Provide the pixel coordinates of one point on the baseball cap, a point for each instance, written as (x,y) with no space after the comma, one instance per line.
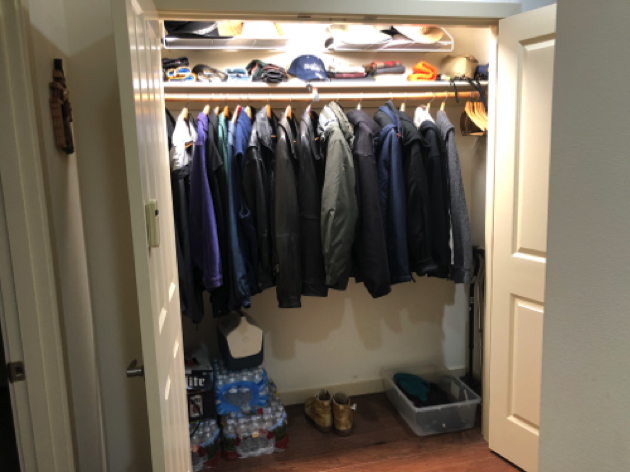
(308,68)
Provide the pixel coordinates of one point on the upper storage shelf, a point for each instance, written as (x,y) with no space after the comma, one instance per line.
(264,35)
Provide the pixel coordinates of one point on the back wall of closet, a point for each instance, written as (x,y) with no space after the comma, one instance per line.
(343,341)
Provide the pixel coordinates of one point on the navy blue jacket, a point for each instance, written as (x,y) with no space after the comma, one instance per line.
(247,230)
(391,183)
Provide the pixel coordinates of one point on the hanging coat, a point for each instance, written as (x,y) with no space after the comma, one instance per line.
(249,246)
(240,294)
(204,239)
(435,165)
(310,185)
(190,278)
(370,249)
(339,202)
(218,187)
(392,193)
(259,189)
(417,194)
(289,272)
(462,256)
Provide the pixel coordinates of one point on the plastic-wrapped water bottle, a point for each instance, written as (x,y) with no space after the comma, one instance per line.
(244,437)
(256,436)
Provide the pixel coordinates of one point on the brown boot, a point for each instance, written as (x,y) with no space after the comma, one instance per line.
(343,413)
(317,410)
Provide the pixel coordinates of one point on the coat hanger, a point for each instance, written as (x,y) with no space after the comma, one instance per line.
(360,100)
(429,104)
(248,109)
(268,107)
(237,110)
(403,104)
(184,113)
(443,105)
(287,110)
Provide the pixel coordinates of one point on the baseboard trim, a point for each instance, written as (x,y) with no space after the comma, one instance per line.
(363,387)
(293,397)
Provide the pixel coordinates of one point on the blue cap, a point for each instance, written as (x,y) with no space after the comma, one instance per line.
(308,68)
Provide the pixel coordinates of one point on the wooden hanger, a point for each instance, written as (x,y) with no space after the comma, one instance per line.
(402,105)
(429,104)
(358,105)
(206,110)
(443,105)
(268,107)
(237,110)
(287,111)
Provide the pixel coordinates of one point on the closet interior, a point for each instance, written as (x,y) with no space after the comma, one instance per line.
(348,340)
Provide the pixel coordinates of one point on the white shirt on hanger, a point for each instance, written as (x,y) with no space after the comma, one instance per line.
(421,115)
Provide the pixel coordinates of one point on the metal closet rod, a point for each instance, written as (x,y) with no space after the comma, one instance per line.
(309,97)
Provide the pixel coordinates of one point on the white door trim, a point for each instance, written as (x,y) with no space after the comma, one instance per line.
(28,307)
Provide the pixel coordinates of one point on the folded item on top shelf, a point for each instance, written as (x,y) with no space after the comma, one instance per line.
(423,71)
(423,34)
(237,74)
(173,63)
(273,74)
(341,67)
(390,70)
(190,78)
(255,67)
(357,35)
(373,66)
(205,73)
(345,75)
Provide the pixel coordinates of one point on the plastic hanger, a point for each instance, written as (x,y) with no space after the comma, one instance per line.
(184,113)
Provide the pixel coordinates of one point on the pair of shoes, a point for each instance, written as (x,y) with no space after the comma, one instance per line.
(319,412)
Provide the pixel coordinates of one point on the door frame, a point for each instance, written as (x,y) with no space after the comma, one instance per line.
(28,305)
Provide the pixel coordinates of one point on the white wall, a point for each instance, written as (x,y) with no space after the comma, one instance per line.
(48,40)
(586,357)
(533,4)
(345,340)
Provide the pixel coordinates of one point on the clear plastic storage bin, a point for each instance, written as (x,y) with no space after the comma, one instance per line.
(424,421)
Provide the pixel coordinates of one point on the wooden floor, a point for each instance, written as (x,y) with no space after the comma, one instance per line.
(381,441)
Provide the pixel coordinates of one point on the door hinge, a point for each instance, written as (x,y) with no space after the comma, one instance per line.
(16,371)
(152,214)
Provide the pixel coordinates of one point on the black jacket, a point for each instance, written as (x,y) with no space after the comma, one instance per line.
(259,188)
(289,273)
(435,165)
(218,188)
(310,185)
(418,205)
(370,249)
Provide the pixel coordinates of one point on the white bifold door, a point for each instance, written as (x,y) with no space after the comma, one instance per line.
(137,37)
(523,137)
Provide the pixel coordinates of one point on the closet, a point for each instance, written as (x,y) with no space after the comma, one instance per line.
(345,340)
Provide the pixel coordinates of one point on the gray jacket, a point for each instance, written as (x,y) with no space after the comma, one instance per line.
(339,201)
(460,224)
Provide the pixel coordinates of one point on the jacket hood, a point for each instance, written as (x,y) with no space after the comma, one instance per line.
(311,127)
(387,115)
(288,125)
(409,132)
(443,123)
(359,116)
(426,125)
(333,115)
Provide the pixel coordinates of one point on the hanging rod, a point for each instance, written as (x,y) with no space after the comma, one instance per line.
(310,97)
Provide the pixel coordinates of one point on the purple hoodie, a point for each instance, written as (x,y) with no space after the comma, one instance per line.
(204,240)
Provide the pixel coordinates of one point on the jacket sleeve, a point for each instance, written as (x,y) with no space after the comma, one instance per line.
(289,275)
(440,223)
(339,214)
(256,197)
(204,239)
(462,241)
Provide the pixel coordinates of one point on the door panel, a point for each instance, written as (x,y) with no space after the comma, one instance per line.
(525,77)
(148,178)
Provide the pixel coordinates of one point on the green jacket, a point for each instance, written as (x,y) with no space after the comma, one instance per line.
(339,201)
